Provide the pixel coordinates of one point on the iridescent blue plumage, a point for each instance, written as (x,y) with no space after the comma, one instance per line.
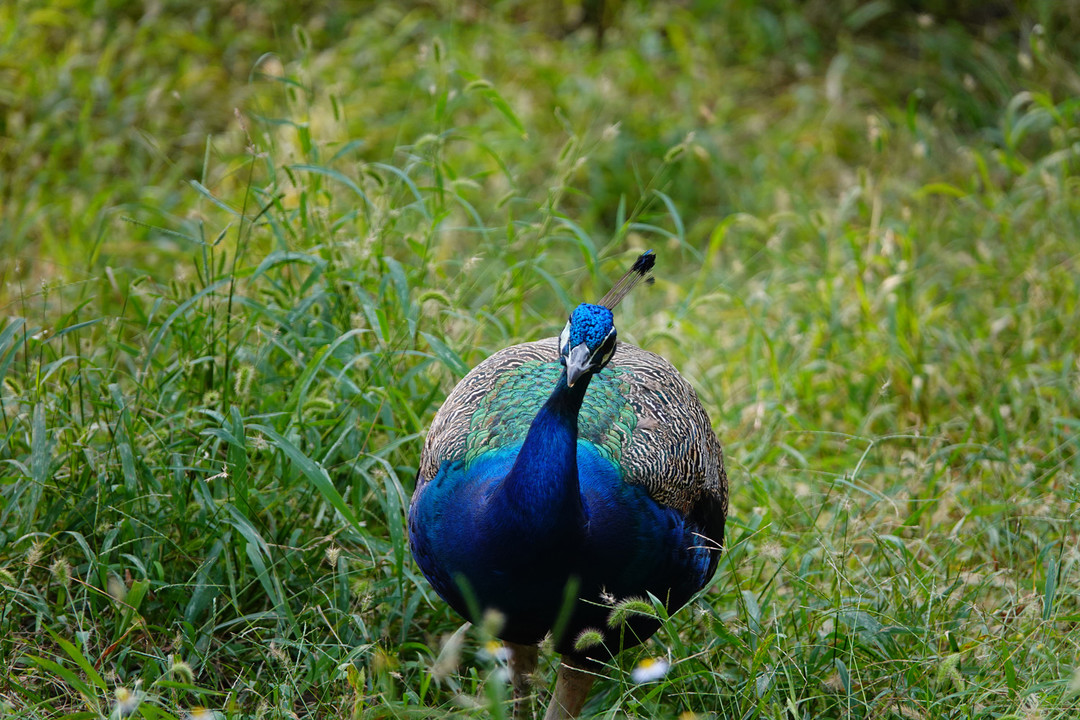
(562,477)
(590,324)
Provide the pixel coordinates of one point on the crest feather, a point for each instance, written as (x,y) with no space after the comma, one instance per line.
(640,271)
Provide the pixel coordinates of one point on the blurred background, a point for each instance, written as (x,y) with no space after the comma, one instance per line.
(247,248)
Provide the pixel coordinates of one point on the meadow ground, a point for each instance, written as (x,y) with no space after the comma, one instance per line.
(247,251)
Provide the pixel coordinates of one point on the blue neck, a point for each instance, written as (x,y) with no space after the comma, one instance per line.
(543,485)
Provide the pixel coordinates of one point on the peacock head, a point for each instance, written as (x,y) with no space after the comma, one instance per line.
(587,343)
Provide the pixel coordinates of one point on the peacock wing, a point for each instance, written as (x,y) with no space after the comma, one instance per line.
(492,406)
(673,451)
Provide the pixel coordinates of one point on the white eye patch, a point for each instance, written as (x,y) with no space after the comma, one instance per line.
(608,348)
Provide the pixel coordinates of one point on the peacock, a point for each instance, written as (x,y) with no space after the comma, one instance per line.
(564,479)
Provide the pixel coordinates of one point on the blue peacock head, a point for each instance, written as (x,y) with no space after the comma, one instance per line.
(587,343)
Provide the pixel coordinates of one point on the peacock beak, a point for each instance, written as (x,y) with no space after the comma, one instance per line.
(577,363)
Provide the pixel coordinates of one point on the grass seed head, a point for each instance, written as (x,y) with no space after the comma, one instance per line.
(587,639)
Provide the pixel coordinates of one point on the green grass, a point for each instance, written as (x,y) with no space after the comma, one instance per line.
(247,255)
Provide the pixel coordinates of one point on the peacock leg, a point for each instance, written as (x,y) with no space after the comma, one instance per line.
(522,671)
(572,686)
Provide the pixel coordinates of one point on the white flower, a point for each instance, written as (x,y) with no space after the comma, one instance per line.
(496,651)
(648,670)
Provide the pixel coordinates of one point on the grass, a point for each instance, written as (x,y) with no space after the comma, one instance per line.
(247,256)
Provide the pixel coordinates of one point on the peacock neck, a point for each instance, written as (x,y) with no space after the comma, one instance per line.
(543,481)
